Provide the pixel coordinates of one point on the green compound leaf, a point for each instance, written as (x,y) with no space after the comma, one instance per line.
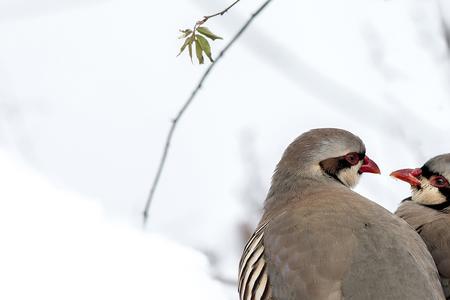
(206,32)
(190,51)
(204,44)
(185,34)
(186,43)
(199,52)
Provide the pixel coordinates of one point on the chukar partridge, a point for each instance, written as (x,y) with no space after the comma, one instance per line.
(317,239)
(428,211)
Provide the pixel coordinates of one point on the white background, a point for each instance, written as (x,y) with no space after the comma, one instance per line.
(88,89)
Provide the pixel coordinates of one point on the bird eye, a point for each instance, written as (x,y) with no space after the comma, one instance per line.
(352,158)
(439,181)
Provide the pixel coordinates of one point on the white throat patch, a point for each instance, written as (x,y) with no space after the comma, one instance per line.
(350,176)
(427,194)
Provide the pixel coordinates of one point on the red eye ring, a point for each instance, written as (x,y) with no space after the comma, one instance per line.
(439,181)
(352,158)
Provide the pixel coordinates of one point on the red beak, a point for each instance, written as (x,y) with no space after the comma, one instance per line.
(369,166)
(408,175)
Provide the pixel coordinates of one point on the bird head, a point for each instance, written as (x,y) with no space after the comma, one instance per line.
(429,184)
(326,154)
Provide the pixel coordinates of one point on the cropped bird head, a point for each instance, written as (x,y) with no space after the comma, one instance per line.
(325,154)
(429,184)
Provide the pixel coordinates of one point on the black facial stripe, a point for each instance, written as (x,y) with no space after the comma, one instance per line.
(362,155)
(427,173)
(407,199)
(445,192)
(332,166)
(342,164)
(440,206)
(335,177)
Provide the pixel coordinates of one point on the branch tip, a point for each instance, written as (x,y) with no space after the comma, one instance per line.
(188,102)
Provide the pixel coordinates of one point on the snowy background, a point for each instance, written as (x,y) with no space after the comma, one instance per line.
(88,89)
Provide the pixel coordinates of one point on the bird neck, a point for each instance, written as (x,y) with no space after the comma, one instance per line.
(283,193)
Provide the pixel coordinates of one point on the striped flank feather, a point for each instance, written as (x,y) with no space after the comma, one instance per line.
(253,278)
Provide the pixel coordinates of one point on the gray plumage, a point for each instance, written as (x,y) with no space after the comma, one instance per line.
(317,239)
(440,164)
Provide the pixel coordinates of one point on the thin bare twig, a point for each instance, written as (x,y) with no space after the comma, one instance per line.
(205,18)
(189,101)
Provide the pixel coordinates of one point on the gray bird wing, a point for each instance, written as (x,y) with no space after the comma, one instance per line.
(434,228)
(301,263)
(343,246)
